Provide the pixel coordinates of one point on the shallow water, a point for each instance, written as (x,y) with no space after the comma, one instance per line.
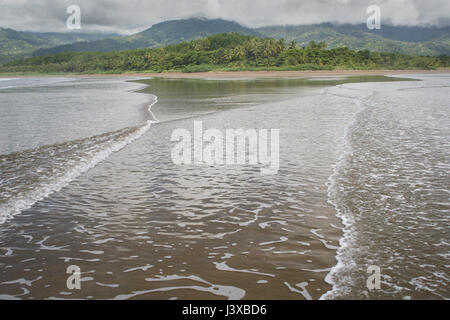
(392,187)
(48,111)
(138,226)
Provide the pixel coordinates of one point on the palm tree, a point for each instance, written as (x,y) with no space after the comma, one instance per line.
(239,52)
(293,44)
(281,45)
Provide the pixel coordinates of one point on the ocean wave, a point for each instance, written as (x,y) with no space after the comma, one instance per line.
(337,277)
(29,176)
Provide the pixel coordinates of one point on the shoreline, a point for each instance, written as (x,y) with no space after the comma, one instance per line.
(283,74)
(237,74)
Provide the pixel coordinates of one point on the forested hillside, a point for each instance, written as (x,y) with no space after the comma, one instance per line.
(407,40)
(228,51)
(159,35)
(398,39)
(18,44)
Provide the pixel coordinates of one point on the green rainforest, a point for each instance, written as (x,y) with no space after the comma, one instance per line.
(223,52)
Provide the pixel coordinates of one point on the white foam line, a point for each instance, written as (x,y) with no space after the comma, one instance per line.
(282,239)
(346,218)
(143,268)
(222,266)
(26,201)
(303,291)
(232,293)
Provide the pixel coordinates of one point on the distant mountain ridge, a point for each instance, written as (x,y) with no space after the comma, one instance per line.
(16,44)
(398,39)
(159,35)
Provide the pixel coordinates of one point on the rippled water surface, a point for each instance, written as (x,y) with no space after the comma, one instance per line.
(392,188)
(93,185)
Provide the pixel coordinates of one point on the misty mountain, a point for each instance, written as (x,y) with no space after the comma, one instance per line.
(398,39)
(17,44)
(159,35)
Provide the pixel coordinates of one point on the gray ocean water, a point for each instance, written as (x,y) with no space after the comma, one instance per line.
(87,180)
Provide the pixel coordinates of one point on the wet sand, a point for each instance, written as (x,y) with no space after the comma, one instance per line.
(241,74)
(140,227)
(282,74)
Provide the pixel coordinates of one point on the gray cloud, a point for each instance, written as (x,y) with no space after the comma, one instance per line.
(134,15)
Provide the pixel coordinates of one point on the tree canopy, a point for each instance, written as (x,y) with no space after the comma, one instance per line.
(226,51)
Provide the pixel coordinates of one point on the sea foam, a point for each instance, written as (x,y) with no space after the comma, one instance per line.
(26,200)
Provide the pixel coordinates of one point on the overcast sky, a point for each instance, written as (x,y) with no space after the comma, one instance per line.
(129,16)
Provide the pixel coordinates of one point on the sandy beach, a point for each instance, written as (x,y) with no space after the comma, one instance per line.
(282,74)
(239,74)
